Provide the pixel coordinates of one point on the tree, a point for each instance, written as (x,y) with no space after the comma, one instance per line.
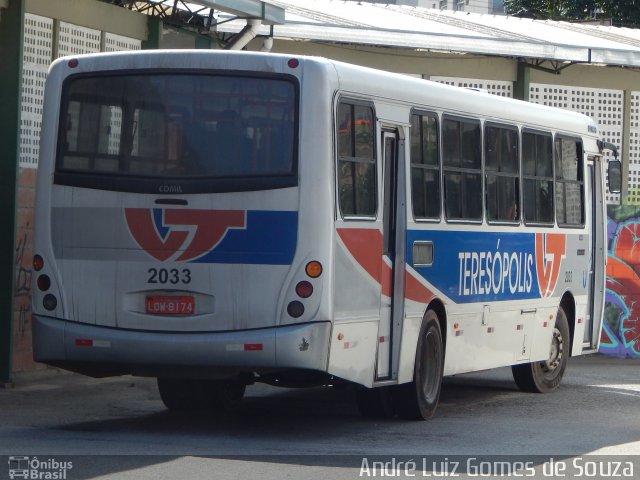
(553,9)
(622,12)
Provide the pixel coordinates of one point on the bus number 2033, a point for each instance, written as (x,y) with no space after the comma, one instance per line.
(172,276)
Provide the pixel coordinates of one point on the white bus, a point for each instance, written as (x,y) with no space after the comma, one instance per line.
(215,219)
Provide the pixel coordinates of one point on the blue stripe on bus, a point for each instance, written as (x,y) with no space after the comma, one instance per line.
(479,266)
(270,238)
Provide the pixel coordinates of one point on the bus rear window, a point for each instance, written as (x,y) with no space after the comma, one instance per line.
(205,132)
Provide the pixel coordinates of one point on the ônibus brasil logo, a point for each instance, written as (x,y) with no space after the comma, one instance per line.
(38,469)
(181,234)
(551,248)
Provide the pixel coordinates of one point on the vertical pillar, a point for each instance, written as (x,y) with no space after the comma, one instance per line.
(203,42)
(11,43)
(625,148)
(521,85)
(154,32)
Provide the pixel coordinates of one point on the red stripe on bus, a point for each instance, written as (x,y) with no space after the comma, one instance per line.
(365,246)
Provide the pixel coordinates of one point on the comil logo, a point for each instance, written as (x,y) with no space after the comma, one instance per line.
(551,248)
(181,234)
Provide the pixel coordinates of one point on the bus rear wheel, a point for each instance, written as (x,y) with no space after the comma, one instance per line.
(545,376)
(186,394)
(418,400)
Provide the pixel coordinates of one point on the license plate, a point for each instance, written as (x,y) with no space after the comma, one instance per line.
(170,305)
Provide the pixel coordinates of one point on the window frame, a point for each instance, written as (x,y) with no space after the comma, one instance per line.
(518,175)
(524,177)
(141,183)
(438,168)
(354,160)
(580,181)
(461,170)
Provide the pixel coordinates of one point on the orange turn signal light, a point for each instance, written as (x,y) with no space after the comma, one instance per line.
(38,263)
(314,269)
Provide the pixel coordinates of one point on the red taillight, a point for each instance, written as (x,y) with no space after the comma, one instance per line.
(304,289)
(43,282)
(73,63)
(293,63)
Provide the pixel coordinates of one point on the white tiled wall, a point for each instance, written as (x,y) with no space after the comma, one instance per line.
(603,105)
(495,87)
(38,54)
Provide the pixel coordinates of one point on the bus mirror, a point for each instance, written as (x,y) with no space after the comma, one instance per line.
(614,174)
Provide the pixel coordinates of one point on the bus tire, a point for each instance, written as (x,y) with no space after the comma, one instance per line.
(228,394)
(418,399)
(545,376)
(374,402)
(184,394)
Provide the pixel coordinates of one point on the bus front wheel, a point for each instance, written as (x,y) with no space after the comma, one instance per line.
(545,376)
(418,400)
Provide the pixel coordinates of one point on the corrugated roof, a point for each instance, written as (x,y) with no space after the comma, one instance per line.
(404,26)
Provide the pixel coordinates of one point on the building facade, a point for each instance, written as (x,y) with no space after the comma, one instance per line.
(495,7)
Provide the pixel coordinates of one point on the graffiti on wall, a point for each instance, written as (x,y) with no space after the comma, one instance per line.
(621,326)
(22,287)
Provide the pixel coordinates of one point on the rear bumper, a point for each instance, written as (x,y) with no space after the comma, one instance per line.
(102,351)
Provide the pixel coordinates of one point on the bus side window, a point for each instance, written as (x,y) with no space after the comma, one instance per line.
(425,166)
(462,168)
(356,160)
(502,172)
(569,182)
(537,173)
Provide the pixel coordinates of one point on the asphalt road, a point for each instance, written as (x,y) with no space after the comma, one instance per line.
(317,433)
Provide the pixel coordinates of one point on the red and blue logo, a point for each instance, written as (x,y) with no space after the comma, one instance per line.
(181,234)
(551,248)
(214,236)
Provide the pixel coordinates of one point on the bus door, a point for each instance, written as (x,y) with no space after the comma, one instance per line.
(393,252)
(598,250)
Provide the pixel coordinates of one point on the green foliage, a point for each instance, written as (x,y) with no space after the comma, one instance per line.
(623,12)
(620,213)
(552,9)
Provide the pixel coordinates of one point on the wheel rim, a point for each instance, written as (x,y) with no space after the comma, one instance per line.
(431,367)
(551,366)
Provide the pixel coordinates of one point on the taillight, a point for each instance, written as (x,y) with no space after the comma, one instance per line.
(38,263)
(313,269)
(50,302)
(43,282)
(295,309)
(304,289)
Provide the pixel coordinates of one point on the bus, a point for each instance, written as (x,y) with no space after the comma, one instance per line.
(216,219)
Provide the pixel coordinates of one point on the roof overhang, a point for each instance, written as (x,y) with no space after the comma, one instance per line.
(257,9)
(422,29)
